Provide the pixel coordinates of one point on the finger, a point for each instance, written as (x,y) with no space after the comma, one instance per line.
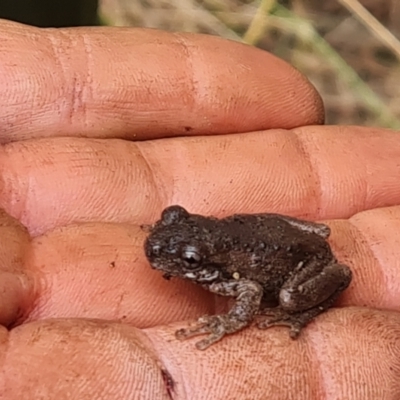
(138,84)
(376,282)
(16,285)
(100,271)
(81,359)
(305,173)
(340,355)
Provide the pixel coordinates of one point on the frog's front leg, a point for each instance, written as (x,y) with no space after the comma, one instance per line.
(307,293)
(248,298)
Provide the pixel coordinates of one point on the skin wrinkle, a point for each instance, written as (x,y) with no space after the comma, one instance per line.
(79,84)
(317,342)
(358,191)
(352,250)
(301,144)
(4,356)
(364,201)
(169,361)
(159,184)
(31,287)
(86,91)
(16,282)
(40,300)
(363,239)
(325,372)
(60,65)
(193,83)
(387,299)
(56,100)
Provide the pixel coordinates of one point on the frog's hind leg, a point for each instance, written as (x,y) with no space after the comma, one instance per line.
(306,295)
(295,321)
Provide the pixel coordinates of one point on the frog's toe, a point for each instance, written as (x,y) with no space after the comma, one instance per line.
(186,333)
(214,325)
(282,319)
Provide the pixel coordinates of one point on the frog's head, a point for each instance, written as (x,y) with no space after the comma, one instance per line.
(177,246)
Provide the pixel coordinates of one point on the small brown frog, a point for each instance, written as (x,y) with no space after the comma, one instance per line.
(262,260)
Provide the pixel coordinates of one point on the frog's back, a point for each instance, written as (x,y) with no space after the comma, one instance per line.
(267,248)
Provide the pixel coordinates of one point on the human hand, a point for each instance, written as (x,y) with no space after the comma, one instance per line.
(73,102)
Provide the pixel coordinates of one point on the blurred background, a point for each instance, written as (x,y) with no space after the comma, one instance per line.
(349,49)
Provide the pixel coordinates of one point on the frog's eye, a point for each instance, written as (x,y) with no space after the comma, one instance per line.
(191,258)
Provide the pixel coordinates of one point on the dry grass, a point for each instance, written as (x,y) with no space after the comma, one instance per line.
(347,48)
